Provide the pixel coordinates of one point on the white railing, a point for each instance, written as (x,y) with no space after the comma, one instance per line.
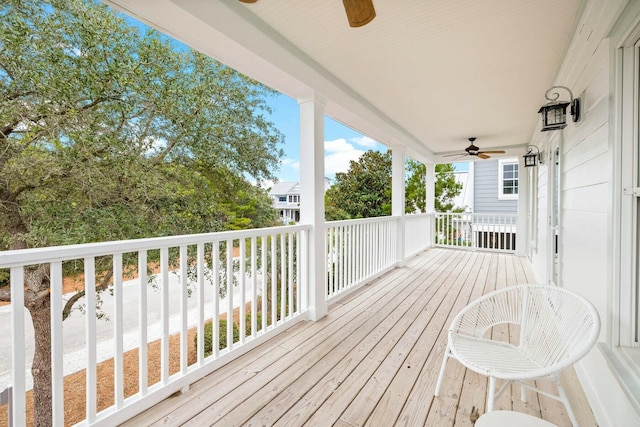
(358,250)
(494,232)
(160,287)
(162,290)
(417,232)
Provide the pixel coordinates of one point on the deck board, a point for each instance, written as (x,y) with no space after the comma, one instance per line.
(373,360)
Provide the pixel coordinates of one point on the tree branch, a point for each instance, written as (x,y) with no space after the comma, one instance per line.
(104,284)
(161,156)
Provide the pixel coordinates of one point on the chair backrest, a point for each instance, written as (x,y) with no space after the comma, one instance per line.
(557,326)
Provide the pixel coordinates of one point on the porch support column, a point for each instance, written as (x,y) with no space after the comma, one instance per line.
(397,201)
(522,239)
(312,200)
(430,201)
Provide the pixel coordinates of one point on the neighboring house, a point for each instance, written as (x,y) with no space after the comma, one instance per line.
(286,200)
(490,193)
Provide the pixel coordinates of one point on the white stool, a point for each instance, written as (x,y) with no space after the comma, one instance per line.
(509,419)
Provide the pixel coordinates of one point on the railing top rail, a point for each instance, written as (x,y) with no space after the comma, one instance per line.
(21,257)
(418,215)
(483,214)
(329,224)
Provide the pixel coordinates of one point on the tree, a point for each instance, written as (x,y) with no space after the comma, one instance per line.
(365,189)
(415,194)
(108,132)
(446,187)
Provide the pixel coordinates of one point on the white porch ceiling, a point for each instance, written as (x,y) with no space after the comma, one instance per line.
(424,74)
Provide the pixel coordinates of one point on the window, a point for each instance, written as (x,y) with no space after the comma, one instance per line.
(294,198)
(629,228)
(622,348)
(282,198)
(508,179)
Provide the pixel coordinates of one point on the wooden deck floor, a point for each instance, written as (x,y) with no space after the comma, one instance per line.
(373,360)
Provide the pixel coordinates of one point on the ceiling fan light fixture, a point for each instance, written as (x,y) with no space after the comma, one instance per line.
(359,12)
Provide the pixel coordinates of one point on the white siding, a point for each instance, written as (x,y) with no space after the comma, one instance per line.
(485,192)
(586,194)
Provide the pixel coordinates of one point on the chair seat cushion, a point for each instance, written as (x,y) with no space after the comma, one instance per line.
(510,419)
(494,358)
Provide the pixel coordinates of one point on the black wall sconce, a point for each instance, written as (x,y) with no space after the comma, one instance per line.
(532,159)
(554,113)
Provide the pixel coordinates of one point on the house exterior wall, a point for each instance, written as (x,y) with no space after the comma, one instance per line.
(485,190)
(587,168)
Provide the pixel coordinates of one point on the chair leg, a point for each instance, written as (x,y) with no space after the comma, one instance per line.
(447,353)
(523,393)
(565,401)
(491,395)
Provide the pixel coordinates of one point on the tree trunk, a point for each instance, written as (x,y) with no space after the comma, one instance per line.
(41,368)
(38,301)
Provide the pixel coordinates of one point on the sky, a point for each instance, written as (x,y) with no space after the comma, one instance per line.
(341,145)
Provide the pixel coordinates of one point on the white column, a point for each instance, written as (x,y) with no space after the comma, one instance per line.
(430,188)
(312,200)
(522,238)
(430,201)
(397,200)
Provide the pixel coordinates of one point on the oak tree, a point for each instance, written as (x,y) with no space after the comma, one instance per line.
(109,131)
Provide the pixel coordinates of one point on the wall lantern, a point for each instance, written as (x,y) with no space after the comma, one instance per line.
(532,159)
(554,113)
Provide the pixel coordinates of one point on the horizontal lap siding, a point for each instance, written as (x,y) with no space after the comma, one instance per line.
(486,190)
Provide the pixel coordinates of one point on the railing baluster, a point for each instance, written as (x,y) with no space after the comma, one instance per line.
(283,276)
(299,272)
(164,314)
(17,351)
(229,295)
(200,295)
(142,322)
(265,284)
(243,291)
(90,301)
(57,362)
(118,330)
(254,287)
(215,261)
(290,284)
(274,280)
(184,310)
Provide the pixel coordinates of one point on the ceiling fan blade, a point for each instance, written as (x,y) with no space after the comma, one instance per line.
(493,152)
(483,156)
(248,1)
(359,12)
(457,154)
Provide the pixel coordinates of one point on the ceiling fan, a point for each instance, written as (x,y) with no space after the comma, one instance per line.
(472,150)
(359,12)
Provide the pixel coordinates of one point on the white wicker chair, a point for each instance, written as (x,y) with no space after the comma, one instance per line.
(557,328)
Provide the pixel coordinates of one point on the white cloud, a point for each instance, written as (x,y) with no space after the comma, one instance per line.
(338,145)
(339,162)
(365,141)
(338,154)
(292,163)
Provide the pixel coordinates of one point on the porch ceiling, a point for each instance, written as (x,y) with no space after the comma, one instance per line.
(424,74)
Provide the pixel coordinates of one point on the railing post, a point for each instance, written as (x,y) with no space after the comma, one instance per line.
(397,201)
(312,201)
